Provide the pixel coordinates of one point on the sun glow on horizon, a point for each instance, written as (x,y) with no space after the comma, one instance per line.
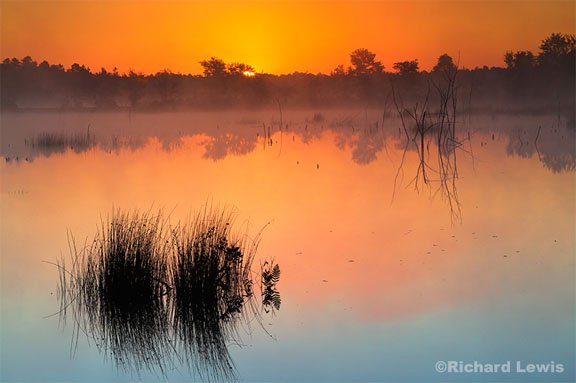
(285,37)
(248,73)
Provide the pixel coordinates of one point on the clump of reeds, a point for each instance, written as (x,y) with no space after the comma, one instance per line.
(50,140)
(212,280)
(149,294)
(119,285)
(58,142)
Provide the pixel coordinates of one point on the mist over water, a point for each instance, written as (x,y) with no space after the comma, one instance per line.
(341,191)
(386,269)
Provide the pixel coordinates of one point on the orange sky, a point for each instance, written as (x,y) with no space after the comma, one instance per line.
(274,36)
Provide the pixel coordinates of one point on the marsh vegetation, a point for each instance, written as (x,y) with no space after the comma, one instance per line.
(52,142)
(154,296)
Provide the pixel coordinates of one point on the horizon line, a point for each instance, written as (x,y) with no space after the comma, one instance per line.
(115,70)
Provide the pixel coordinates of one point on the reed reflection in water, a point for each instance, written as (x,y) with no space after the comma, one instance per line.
(154,296)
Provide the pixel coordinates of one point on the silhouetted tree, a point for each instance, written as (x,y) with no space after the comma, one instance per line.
(80,82)
(546,80)
(364,62)
(28,63)
(165,83)
(13,62)
(521,60)
(338,71)
(105,89)
(57,67)
(77,68)
(214,67)
(405,68)
(238,69)
(558,51)
(445,64)
(135,87)
(44,66)
(520,66)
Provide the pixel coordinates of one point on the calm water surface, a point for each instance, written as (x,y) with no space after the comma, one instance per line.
(383,275)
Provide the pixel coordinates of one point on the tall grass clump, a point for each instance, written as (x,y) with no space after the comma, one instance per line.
(212,280)
(59,142)
(150,294)
(118,286)
(50,140)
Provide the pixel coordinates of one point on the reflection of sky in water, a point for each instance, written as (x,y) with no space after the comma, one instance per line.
(372,290)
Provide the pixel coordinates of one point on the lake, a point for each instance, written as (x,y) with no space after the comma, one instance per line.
(395,255)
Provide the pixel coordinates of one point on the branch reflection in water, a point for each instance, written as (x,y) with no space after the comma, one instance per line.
(439,128)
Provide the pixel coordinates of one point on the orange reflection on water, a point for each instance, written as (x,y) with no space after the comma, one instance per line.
(343,244)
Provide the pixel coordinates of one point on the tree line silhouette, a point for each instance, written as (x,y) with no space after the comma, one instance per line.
(542,82)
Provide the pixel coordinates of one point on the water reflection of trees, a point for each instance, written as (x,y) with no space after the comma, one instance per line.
(219,146)
(366,148)
(152,296)
(553,145)
(365,138)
